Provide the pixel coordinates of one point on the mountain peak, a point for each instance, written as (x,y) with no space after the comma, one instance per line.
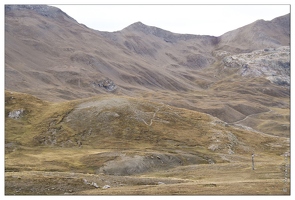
(139,26)
(44,10)
(158,32)
(149,30)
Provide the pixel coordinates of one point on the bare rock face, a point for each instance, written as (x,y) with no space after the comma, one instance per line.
(271,63)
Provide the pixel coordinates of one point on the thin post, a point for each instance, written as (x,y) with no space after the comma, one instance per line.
(253,161)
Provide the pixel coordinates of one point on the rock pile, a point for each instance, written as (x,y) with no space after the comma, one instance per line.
(90,183)
(16,114)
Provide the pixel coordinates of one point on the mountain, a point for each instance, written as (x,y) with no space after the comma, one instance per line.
(52,56)
(94,112)
(257,35)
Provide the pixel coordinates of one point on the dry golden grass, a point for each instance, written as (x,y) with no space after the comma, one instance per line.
(141,141)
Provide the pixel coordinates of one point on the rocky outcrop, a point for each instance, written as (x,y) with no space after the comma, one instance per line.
(107,84)
(271,63)
(16,114)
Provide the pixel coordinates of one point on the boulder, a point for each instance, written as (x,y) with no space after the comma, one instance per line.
(106,187)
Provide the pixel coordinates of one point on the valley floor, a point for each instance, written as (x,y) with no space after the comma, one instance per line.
(37,174)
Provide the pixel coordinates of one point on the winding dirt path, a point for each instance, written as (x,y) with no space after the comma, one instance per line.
(237,122)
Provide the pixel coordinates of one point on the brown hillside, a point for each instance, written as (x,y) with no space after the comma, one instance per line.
(144,110)
(48,54)
(62,148)
(257,35)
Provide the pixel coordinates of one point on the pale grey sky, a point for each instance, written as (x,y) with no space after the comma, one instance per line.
(193,19)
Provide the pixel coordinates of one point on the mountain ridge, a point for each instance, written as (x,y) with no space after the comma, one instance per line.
(144,110)
(259,33)
(44,10)
(166,35)
(69,61)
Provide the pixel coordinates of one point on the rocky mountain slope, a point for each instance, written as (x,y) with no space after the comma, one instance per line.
(50,55)
(271,63)
(257,35)
(46,46)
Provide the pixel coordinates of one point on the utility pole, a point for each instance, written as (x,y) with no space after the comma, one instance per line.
(253,161)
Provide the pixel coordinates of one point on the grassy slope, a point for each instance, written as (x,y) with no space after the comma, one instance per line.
(113,134)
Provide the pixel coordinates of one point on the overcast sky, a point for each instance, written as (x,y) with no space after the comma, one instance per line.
(193,19)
